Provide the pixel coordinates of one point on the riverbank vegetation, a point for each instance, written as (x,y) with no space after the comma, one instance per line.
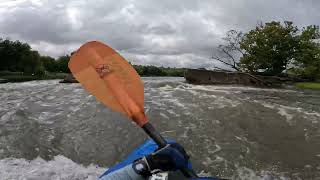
(270,49)
(158,71)
(18,62)
(7,76)
(308,85)
(273,49)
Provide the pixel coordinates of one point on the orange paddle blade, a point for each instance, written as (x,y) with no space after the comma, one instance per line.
(110,78)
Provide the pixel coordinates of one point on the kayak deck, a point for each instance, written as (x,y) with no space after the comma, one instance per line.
(145,149)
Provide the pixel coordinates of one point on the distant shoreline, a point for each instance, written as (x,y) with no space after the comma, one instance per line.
(12,77)
(6,77)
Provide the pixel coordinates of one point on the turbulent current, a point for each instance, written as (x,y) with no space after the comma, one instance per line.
(58,131)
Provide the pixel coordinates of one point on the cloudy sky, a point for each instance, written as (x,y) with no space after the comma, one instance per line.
(159,32)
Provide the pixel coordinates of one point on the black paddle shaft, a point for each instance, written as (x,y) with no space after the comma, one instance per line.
(161,142)
(154,135)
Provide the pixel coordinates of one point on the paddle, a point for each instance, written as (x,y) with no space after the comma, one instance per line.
(114,82)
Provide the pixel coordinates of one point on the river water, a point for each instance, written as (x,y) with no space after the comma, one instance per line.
(58,131)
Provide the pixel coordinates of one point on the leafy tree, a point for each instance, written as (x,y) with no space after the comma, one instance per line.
(18,56)
(307,57)
(273,48)
(62,63)
(13,55)
(32,63)
(49,63)
(269,47)
(158,71)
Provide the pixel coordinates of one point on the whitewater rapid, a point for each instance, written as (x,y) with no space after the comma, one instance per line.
(58,131)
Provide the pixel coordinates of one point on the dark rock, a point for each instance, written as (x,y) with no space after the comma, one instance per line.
(199,76)
(69,79)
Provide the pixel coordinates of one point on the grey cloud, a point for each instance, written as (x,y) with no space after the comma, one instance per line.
(161,29)
(170,33)
(31,24)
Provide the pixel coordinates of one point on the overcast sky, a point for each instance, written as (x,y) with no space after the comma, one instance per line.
(160,32)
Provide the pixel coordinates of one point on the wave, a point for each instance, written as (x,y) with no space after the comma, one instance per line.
(59,168)
(62,168)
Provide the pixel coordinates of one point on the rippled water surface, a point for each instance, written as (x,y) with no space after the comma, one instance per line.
(50,130)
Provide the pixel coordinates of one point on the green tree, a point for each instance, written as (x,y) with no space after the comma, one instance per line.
(49,63)
(18,56)
(272,49)
(62,63)
(269,48)
(32,63)
(307,57)
(13,55)
(158,71)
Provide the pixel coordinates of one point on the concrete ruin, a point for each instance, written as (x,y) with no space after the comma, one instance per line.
(200,76)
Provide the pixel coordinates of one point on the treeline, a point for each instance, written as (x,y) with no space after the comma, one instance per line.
(16,56)
(158,71)
(273,48)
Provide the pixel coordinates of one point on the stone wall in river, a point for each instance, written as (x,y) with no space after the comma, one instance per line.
(69,79)
(199,76)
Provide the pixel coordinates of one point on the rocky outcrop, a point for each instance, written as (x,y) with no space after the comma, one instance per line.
(69,79)
(200,76)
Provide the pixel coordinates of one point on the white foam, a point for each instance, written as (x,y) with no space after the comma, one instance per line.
(207,161)
(76,101)
(165,88)
(60,168)
(163,115)
(74,108)
(222,102)
(244,173)
(227,88)
(171,111)
(209,88)
(45,116)
(176,102)
(218,148)
(156,103)
(285,111)
(50,97)
(7,115)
